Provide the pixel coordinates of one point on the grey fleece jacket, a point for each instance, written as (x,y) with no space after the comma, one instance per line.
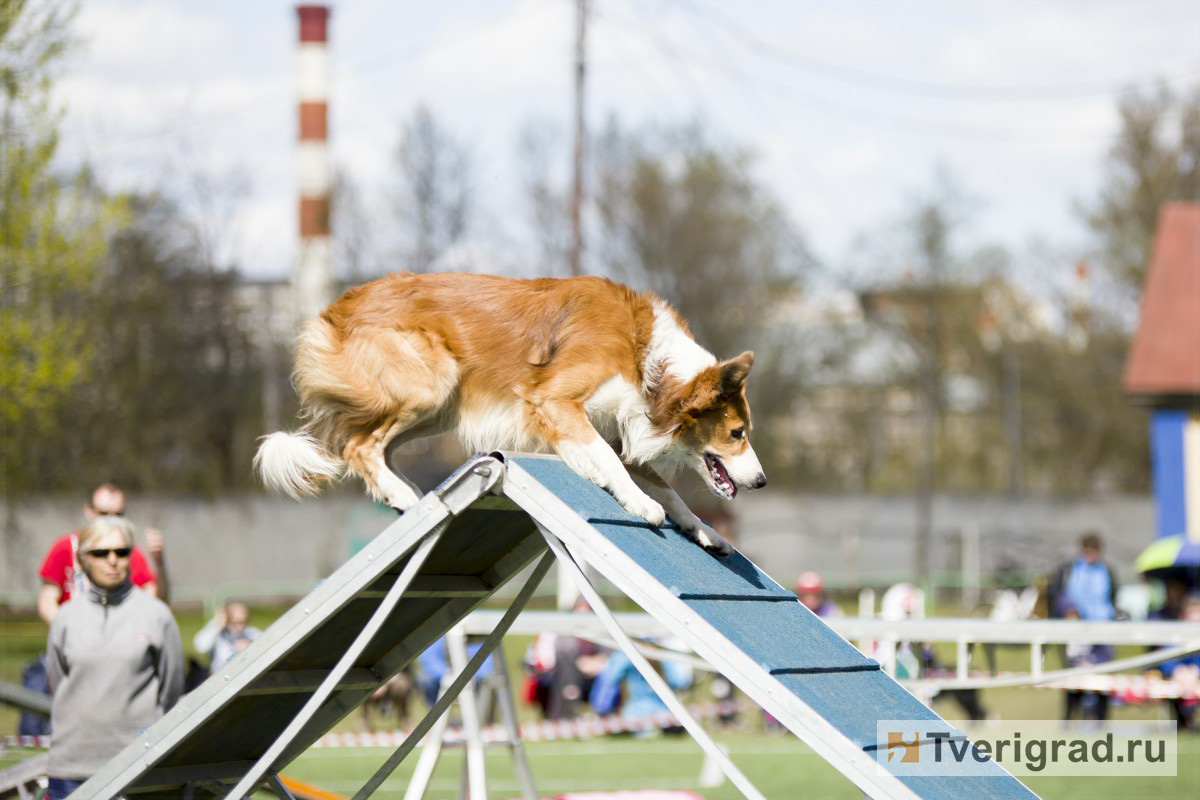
(115,665)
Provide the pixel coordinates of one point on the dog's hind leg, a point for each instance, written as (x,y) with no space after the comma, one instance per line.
(400,380)
(692,526)
(365,457)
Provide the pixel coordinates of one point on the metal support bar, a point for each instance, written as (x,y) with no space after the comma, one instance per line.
(643,666)
(276,786)
(418,784)
(508,715)
(447,697)
(386,606)
(476,771)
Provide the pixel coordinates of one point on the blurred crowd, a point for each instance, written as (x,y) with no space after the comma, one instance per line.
(114,662)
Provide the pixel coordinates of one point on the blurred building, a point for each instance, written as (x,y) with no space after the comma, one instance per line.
(1163,370)
(871,358)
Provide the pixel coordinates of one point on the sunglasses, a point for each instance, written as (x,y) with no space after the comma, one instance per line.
(103,552)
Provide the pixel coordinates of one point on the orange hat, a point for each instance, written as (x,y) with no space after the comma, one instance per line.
(809,582)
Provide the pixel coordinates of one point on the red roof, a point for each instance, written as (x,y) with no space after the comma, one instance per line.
(1165,358)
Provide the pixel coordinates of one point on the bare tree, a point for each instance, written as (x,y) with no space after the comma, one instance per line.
(1155,158)
(435,194)
(685,219)
(548,204)
(355,242)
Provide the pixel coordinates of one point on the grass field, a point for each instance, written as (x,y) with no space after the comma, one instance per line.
(777,763)
(780,766)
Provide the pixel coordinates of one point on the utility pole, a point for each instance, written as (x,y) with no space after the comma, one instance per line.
(567,590)
(933,231)
(581,14)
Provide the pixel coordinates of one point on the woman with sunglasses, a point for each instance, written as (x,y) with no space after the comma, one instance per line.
(114,660)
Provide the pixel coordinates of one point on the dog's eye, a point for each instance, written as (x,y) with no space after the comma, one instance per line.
(738,433)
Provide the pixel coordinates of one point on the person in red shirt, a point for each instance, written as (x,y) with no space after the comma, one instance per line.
(60,574)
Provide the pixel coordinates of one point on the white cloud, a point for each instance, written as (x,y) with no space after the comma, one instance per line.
(129,34)
(842,141)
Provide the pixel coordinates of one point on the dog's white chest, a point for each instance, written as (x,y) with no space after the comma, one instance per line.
(618,411)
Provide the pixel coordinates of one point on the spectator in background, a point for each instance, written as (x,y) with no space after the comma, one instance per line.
(621,686)
(113,658)
(1175,594)
(810,588)
(1081,704)
(1185,672)
(225,635)
(60,575)
(1086,584)
(61,579)
(1085,588)
(561,669)
(433,668)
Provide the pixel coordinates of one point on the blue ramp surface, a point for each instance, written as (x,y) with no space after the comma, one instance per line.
(750,628)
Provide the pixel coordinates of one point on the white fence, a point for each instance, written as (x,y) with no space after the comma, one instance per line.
(880,638)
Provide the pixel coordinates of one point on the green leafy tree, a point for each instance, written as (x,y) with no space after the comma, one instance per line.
(52,236)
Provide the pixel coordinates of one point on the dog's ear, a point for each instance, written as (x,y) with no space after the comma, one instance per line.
(734,373)
(698,396)
(706,391)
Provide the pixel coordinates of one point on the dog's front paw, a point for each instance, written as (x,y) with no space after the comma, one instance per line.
(709,539)
(646,508)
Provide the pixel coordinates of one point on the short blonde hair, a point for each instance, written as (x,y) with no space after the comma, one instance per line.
(104,525)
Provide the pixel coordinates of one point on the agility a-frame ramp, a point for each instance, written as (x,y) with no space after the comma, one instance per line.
(483,526)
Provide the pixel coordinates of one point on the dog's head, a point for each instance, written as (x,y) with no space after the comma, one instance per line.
(711,421)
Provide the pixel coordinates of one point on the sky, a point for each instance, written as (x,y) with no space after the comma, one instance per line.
(849,106)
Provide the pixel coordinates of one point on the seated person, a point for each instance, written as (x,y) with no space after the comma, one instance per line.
(226,634)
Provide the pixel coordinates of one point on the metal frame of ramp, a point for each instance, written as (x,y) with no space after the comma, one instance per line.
(376,613)
(752,630)
(442,559)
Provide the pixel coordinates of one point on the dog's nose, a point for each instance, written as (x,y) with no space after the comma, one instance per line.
(760,481)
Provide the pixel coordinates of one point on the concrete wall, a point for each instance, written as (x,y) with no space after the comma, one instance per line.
(871,537)
(255,545)
(277,546)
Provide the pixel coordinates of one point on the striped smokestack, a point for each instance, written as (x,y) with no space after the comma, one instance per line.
(312,282)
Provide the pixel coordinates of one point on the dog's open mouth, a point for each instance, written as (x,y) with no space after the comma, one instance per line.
(721,481)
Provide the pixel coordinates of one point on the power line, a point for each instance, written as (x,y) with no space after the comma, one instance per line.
(886,120)
(831,192)
(761,48)
(796,240)
(278,92)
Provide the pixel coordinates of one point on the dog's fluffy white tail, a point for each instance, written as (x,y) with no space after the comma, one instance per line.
(295,464)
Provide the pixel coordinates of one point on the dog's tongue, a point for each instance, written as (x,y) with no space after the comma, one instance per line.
(724,475)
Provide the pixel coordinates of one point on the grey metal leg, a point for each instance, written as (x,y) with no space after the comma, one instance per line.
(427,763)
(508,716)
(318,698)
(643,666)
(476,770)
(447,697)
(276,786)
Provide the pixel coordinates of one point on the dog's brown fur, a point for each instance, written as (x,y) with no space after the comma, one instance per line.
(509,364)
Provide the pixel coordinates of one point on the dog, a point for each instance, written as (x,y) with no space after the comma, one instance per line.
(608,378)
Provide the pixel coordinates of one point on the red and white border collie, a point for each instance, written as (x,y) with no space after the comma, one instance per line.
(608,378)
